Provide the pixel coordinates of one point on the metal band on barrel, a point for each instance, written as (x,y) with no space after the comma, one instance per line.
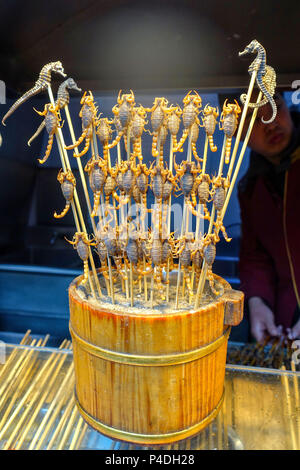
(155,360)
(148,438)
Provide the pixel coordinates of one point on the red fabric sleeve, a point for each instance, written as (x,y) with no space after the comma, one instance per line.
(256,268)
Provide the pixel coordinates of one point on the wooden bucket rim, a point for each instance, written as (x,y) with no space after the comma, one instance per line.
(131,313)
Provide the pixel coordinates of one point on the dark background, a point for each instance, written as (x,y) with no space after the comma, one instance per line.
(155,48)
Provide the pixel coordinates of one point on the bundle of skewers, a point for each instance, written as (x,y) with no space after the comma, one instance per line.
(127,257)
(273,352)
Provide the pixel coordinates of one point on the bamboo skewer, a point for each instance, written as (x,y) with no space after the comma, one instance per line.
(76,434)
(70,406)
(169,217)
(68,429)
(66,164)
(296,393)
(48,367)
(81,172)
(285,381)
(202,279)
(228,194)
(22,377)
(112,290)
(65,415)
(52,411)
(37,407)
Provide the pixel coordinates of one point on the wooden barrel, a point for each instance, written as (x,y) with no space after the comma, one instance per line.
(151,378)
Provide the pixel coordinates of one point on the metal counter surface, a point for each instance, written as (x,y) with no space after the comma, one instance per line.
(37,408)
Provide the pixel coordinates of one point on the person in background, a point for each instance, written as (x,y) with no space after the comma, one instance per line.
(269,197)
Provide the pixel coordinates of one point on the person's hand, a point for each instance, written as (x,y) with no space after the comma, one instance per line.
(261,320)
(294,333)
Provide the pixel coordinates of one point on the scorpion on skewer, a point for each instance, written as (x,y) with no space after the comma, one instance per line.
(184,252)
(97,170)
(218,193)
(123,114)
(173,123)
(229,122)
(136,130)
(204,192)
(81,243)
(185,173)
(88,115)
(158,113)
(197,258)
(68,183)
(209,254)
(52,123)
(162,184)
(209,120)
(191,109)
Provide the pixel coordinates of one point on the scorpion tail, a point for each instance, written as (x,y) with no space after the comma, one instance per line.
(182,140)
(194,150)
(63,213)
(38,131)
(227,149)
(116,141)
(96,204)
(32,92)
(175,143)
(48,150)
(213,147)
(220,225)
(85,272)
(84,151)
(154,145)
(211,281)
(78,142)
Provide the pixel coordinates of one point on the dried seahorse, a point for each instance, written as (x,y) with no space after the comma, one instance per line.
(259,64)
(269,80)
(41,84)
(62,100)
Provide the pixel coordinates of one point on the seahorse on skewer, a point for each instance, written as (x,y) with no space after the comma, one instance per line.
(62,100)
(52,123)
(265,78)
(41,84)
